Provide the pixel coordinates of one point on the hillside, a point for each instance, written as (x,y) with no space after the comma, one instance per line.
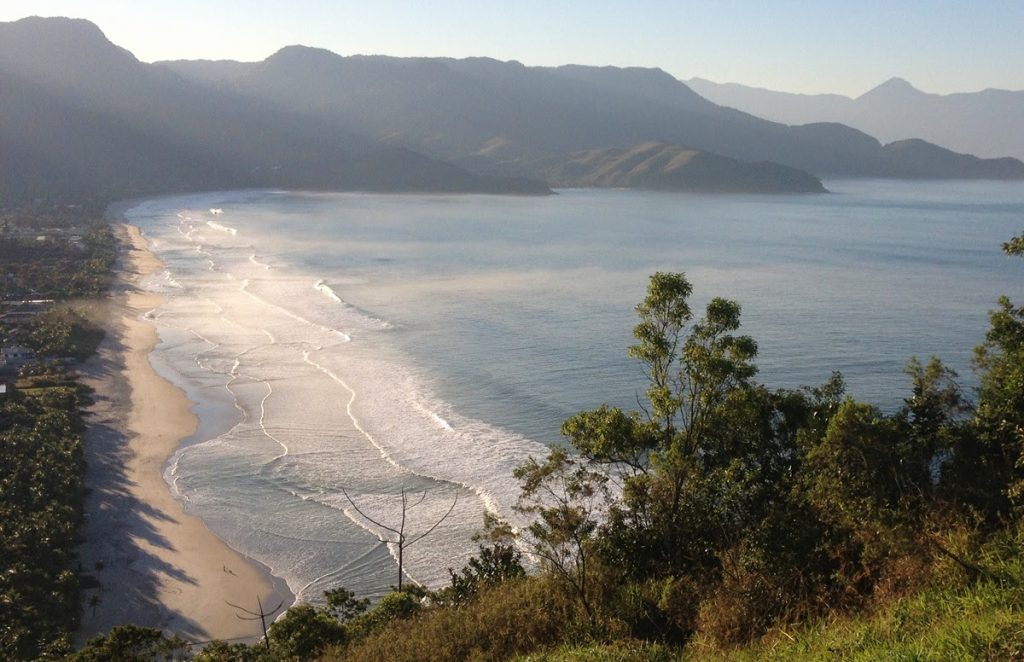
(504,117)
(84,118)
(658,167)
(989,123)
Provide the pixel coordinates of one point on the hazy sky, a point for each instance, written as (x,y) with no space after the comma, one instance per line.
(844,46)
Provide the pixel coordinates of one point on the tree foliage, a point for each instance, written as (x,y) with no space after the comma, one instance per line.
(767,505)
(997,445)
(41,467)
(566,498)
(131,643)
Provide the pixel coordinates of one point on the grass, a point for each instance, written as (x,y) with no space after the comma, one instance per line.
(620,651)
(949,619)
(981,621)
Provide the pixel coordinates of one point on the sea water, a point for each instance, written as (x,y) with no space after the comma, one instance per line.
(347,349)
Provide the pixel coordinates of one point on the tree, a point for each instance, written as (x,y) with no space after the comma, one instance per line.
(996,447)
(934,418)
(493,565)
(344,605)
(985,472)
(854,475)
(709,470)
(399,538)
(699,406)
(304,631)
(566,497)
(131,643)
(262,615)
(1015,246)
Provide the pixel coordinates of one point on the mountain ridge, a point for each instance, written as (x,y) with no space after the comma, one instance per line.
(308,118)
(465,107)
(988,123)
(84,118)
(657,167)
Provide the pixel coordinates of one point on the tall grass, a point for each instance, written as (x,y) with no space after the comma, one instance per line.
(949,620)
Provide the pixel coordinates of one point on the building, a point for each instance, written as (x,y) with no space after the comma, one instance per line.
(14,356)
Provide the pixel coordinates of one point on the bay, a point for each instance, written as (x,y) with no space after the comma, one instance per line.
(447,337)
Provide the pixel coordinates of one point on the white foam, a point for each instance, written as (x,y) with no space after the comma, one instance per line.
(161,283)
(252,258)
(222,228)
(340,334)
(441,423)
(325,289)
(316,408)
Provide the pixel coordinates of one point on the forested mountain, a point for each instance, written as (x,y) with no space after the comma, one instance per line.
(504,117)
(83,117)
(989,123)
(657,167)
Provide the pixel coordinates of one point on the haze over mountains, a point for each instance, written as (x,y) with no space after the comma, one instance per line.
(83,117)
(989,123)
(506,118)
(658,167)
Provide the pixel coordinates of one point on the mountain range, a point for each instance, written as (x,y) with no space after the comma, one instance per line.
(505,118)
(989,123)
(82,117)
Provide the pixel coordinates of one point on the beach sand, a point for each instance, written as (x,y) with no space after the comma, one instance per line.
(153,564)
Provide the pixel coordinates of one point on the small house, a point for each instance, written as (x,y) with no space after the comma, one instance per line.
(15,355)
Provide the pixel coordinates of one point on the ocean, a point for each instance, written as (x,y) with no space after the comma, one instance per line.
(346,349)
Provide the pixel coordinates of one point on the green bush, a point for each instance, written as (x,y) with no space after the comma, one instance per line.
(304,632)
(505,620)
(131,643)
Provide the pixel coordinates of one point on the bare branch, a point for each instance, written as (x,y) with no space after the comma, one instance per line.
(368,518)
(422,497)
(436,524)
(401,542)
(251,613)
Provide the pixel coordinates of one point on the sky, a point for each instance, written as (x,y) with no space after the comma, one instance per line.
(808,46)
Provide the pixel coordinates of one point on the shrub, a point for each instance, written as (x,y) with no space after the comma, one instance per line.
(131,643)
(304,631)
(505,620)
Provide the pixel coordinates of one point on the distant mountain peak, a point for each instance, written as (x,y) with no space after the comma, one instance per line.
(895,85)
(298,52)
(79,25)
(51,40)
(74,32)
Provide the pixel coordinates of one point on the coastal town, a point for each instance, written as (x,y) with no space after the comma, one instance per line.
(57,264)
(54,262)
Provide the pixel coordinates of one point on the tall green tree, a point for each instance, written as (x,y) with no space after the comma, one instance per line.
(996,447)
(566,497)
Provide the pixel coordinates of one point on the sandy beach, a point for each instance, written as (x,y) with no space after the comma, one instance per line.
(153,564)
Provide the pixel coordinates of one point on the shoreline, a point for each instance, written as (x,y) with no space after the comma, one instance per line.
(145,560)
